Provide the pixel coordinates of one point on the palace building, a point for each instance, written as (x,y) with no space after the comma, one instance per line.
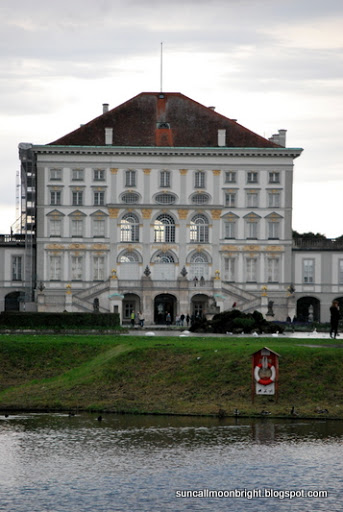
(160,205)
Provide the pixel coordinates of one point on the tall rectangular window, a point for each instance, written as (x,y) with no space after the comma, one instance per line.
(273,199)
(230,199)
(55,226)
(252,229)
(17,268)
(55,197)
(55,268)
(274,230)
(252,199)
(308,271)
(251,270)
(99,198)
(165,179)
(199,179)
(77,227)
(77,198)
(98,268)
(273,269)
(129,308)
(340,271)
(130,178)
(230,229)
(99,227)
(229,269)
(76,268)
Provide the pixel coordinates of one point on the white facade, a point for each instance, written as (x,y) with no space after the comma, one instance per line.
(12,271)
(162,205)
(318,278)
(222,214)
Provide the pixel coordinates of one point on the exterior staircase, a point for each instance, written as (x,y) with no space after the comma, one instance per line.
(83,300)
(245,301)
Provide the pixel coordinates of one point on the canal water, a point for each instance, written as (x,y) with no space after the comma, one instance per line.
(57,463)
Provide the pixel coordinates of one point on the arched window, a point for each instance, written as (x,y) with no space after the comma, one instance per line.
(164,258)
(164,267)
(199,229)
(129,265)
(164,228)
(128,257)
(199,266)
(129,228)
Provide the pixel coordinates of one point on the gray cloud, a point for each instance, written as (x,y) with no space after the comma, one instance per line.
(255,57)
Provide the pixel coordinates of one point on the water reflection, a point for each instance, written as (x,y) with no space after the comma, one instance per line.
(52,462)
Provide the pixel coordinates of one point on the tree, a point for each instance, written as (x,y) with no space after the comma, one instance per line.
(309,235)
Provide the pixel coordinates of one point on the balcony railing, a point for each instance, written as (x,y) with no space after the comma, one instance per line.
(12,238)
(318,244)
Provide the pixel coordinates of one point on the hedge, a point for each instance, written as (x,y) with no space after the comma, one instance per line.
(237,322)
(34,320)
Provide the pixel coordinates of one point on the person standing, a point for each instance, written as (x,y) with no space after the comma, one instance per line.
(132,319)
(141,319)
(334,319)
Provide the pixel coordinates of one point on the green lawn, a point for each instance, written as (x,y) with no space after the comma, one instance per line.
(170,375)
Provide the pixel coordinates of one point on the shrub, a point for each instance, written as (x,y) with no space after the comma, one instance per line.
(245,323)
(236,321)
(33,320)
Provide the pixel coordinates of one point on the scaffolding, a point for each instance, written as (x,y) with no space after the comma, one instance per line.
(27,224)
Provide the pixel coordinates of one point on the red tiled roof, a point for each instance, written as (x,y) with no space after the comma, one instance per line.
(139,122)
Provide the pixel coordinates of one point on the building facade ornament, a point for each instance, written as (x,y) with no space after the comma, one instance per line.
(183,214)
(146,212)
(216,214)
(113,213)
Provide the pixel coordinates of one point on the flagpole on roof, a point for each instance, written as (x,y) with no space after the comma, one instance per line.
(161,67)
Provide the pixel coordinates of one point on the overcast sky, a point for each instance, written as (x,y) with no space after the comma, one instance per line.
(268,63)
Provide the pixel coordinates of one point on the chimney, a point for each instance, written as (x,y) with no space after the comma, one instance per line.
(221,138)
(282,138)
(109,136)
(105,108)
(279,138)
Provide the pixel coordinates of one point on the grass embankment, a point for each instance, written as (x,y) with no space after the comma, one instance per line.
(165,375)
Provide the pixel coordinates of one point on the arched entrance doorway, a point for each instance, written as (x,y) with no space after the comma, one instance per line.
(308,309)
(131,304)
(200,305)
(164,304)
(13,300)
(340,303)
